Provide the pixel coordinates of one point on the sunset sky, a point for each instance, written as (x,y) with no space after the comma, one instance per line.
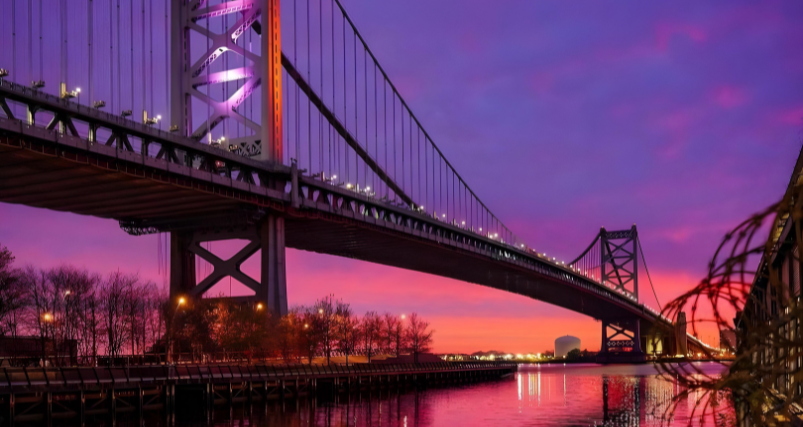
(682,117)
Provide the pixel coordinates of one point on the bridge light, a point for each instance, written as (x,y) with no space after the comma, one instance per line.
(348,185)
(3,72)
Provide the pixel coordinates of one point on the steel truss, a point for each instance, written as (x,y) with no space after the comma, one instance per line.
(258,71)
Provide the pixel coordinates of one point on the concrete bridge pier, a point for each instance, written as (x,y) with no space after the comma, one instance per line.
(267,236)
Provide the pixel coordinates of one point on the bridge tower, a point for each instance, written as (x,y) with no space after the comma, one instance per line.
(195,25)
(619,270)
(612,259)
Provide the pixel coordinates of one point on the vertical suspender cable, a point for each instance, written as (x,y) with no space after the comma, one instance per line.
(143,75)
(14,38)
(296,120)
(345,97)
(63,44)
(150,31)
(309,102)
(320,78)
(385,128)
(131,38)
(376,127)
(208,89)
(41,55)
(365,90)
(90,34)
(334,92)
(167,80)
(30,41)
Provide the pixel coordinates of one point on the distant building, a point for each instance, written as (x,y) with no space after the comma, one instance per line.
(565,344)
(727,340)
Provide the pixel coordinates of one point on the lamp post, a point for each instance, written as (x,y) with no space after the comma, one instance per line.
(181,301)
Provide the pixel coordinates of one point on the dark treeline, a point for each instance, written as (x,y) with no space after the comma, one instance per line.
(119,318)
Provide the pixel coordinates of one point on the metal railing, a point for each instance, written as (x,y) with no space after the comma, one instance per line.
(87,377)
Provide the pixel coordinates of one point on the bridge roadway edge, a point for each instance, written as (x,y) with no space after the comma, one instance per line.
(37,157)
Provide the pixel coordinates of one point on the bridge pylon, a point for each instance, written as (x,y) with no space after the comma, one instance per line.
(267,236)
(195,80)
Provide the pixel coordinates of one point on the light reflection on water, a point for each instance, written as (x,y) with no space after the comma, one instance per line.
(620,395)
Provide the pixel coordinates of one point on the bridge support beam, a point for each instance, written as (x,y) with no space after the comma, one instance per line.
(274,277)
(618,335)
(182,263)
(268,236)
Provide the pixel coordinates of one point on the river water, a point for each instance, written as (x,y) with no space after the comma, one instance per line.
(546,395)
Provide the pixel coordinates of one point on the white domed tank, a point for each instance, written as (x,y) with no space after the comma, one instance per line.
(565,344)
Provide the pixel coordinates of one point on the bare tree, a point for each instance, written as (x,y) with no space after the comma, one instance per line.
(371,330)
(311,332)
(14,298)
(392,334)
(346,329)
(325,309)
(113,299)
(418,336)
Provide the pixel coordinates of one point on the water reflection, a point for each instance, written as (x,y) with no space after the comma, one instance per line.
(536,396)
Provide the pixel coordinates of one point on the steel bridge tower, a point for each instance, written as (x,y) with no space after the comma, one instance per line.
(258,73)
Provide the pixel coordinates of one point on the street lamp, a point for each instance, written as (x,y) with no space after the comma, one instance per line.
(259,306)
(47,317)
(181,301)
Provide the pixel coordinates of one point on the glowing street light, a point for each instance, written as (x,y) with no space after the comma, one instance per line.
(181,301)
(259,306)
(320,311)
(403,317)
(47,317)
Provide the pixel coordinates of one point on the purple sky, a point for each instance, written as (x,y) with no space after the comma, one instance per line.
(563,117)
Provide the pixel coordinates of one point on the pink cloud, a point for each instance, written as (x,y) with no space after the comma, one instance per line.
(666,32)
(792,116)
(729,96)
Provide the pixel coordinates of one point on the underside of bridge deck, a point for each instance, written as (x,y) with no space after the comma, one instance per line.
(89,186)
(341,237)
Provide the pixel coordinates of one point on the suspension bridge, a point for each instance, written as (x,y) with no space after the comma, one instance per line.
(215,120)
